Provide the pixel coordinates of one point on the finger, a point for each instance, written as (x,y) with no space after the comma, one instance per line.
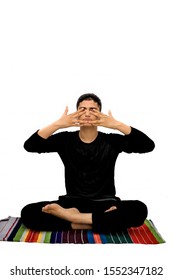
(96,113)
(76,114)
(76,124)
(76,121)
(95,122)
(80,123)
(80,112)
(84,123)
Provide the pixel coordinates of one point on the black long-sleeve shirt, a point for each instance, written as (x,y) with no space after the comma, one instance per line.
(89,167)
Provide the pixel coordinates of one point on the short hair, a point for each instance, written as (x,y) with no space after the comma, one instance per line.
(89,96)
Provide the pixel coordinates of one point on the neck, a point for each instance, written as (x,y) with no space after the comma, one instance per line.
(88,134)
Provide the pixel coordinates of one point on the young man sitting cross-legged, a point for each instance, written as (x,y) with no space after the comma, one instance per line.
(89,158)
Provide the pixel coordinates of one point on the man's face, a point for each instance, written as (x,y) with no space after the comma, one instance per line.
(88,107)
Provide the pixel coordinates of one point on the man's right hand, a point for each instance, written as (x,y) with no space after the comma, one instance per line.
(70,120)
(66,120)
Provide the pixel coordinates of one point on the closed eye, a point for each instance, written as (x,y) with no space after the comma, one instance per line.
(91,108)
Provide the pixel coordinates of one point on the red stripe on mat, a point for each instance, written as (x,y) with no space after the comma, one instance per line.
(150,238)
(142,235)
(32,236)
(97,238)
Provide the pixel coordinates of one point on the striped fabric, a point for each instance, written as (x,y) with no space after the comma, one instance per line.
(11,229)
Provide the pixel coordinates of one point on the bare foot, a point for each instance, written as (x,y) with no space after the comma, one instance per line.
(80,226)
(60,212)
(71,214)
(111,208)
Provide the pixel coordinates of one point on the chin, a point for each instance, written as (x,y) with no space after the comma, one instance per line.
(87,125)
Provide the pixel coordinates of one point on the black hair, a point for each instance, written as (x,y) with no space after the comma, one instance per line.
(89,96)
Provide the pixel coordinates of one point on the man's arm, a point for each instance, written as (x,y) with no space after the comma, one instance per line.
(44,141)
(110,122)
(134,140)
(66,120)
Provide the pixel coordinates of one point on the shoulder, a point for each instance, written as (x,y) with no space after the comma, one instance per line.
(65,134)
(115,135)
(111,138)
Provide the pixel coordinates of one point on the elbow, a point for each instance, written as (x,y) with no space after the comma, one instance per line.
(31,148)
(147,147)
(27,147)
(32,144)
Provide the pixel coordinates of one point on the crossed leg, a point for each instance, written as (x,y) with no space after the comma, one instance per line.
(78,220)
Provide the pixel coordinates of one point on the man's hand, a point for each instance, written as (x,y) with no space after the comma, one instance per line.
(73,119)
(109,121)
(104,120)
(64,122)
(70,120)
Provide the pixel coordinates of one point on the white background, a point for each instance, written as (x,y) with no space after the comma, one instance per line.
(51,52)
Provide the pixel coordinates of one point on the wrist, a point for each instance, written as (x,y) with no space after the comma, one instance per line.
(48,130)
(125,129)
(56,125)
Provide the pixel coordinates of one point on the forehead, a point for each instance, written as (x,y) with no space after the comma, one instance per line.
(88,104)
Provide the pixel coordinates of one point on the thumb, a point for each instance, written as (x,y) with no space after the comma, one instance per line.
(66,110)
(109,113)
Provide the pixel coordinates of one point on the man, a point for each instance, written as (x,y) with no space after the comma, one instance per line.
(89,158)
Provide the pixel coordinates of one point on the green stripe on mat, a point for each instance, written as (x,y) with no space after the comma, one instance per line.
(119,237)
(113,238)
(127,237)
(47,237)
(19,233)
(154,231)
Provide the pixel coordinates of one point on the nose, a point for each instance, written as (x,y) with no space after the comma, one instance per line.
(87,112)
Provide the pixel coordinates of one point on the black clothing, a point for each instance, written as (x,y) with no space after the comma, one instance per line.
(129,213)
(89,180)
(89,167)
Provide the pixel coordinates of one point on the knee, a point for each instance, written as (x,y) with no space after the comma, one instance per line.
(28,215)
(141,212)
(141,206)
(24,211)
(25,215)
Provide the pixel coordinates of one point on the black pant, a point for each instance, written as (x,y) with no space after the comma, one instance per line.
(129,213)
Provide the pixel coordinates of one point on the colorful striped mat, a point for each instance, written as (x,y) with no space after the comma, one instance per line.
(11,229)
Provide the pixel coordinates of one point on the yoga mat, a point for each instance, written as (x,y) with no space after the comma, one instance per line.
(12,229)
